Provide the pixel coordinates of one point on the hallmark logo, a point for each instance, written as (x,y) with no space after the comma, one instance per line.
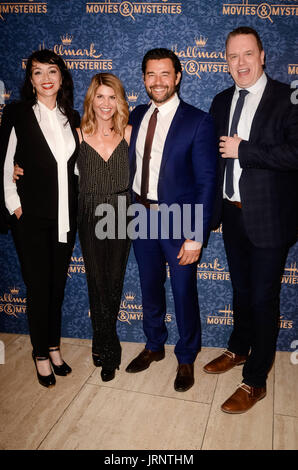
(212,271)
(11,303)
(263,10)
(218,230)
(285,324)
(132,98)
(131,310)
(76,266)
(4,96)
(290,275)
(78,58)
(66,40)
(23,7)
(223,317)
(130,8)
(293,68)
(196,59)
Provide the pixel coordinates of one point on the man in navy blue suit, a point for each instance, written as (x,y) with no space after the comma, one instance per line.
(258,205)
(181,170)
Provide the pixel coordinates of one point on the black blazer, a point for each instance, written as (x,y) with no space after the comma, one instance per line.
(38,188)
(269,160)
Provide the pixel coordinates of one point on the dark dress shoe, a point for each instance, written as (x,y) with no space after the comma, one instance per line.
(224,362)
(184,378)
(107,374)
(44,380)
(144,359)
(243,399)
(61,370)
(96,360)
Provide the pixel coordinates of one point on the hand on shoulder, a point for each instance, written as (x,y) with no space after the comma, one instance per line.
(79,134)
(127,133)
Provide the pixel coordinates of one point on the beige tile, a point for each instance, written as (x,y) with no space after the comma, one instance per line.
(8,338)
(28,410)
(159,378)
(248,431)
(78,342)
(285,433)
(286,383)
(105,418)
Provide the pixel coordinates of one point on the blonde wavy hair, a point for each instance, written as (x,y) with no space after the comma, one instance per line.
(120,118)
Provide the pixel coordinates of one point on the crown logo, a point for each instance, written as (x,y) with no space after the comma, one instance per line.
(131,96)
(14,290)
(66,39)
(227,310)
(129,296)
(201,41)
(6,95)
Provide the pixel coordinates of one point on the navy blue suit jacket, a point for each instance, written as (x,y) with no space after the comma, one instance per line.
(269,161)
(188,167)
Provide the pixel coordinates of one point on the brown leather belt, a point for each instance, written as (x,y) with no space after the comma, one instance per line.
(235,203)
(148,203)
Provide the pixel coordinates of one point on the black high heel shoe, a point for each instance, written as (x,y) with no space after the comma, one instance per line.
(107,374)
(45,380)
(96,360)
(62,370)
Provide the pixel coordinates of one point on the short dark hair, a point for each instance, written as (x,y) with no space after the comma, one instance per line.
(65,94)
(162,53)
(245,30)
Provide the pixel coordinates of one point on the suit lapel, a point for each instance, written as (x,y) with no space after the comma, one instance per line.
(135,130)
(133,140)
(262,111)
(37,130)
(175,125)
(227,110)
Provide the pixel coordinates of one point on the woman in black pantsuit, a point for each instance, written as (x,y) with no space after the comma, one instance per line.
(43,203)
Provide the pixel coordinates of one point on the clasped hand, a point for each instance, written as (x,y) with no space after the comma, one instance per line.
(228,146)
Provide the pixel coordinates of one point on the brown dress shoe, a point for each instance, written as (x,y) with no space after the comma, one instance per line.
(223,363)
(144,359)
(184,378)
(243,399)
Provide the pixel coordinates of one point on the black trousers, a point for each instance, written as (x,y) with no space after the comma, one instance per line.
(105,263)
(44,264)
(256,279)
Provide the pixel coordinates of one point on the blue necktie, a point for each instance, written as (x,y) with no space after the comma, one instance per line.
(233,130)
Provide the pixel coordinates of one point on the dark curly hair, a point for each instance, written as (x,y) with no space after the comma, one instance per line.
(65,93)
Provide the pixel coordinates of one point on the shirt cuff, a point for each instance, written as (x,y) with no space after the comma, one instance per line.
(192,245)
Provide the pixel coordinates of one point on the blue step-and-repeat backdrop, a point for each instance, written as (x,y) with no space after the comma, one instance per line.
(112,36)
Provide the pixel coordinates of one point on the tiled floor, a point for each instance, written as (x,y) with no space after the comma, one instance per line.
(138,411)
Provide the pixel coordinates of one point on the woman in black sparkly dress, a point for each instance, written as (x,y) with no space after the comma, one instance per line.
(103,179)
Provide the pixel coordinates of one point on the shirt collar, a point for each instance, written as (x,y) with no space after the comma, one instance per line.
(170,105)
(46,109)
(256,87)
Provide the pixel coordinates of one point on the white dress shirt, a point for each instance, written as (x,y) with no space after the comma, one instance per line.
(251,103)
(165,115)
(61,141)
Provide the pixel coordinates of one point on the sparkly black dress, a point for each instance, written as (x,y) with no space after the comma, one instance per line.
(104,182)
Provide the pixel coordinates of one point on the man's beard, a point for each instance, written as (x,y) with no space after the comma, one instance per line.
(161,98)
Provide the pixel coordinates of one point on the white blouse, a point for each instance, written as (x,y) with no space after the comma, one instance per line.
(62,144)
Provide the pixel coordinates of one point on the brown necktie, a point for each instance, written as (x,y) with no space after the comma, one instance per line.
(147,154)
